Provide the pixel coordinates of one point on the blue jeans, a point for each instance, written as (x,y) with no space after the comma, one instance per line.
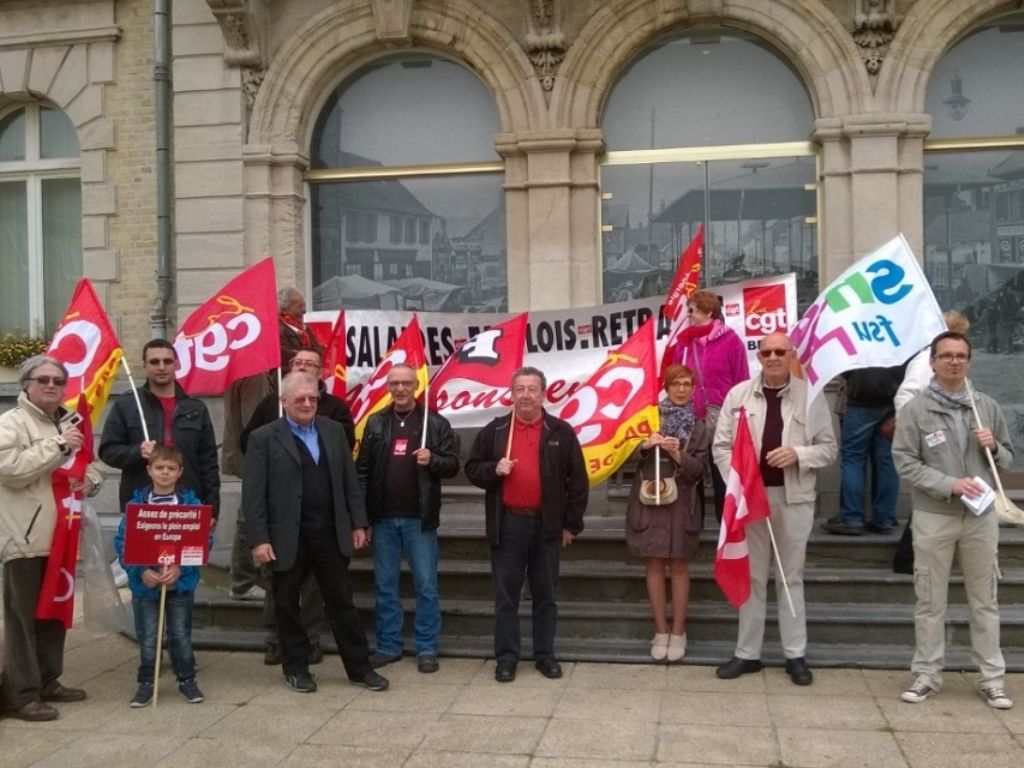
(524,554)
(393,539)
(862,439)
(178,627)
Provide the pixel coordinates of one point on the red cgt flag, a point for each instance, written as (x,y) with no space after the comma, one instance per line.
(745,502)
(618,406)
(684,285)
(57,592)
(481,369)
(232,335)
(373,395)
(335,370)
(87,345)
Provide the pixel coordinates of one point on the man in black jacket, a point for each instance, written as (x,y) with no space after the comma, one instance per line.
(172,418)
(330,407)
(537,492)
(401,480)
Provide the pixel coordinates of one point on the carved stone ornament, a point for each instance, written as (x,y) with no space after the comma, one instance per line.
(874,26)
(252,79)
(391,18)
(545,43)
(243,24)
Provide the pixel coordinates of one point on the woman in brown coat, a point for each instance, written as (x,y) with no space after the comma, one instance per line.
(667,535)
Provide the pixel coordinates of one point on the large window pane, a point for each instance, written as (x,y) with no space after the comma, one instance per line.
(406,110)
(709,88)
(57,137)
(12,136)
(977,87)
(756,208)
(62,245)
(459,266)
(14,308)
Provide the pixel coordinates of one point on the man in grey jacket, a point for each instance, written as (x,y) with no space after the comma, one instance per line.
(793,440)
(936,450)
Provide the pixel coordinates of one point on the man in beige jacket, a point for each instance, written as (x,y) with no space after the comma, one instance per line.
(793,442)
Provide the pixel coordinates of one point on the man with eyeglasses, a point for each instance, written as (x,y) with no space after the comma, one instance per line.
(311,602)
(537,493)
(940,450)
(401,475)
(793,442)
(173,417)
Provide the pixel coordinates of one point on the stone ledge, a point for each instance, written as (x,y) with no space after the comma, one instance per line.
(109,34)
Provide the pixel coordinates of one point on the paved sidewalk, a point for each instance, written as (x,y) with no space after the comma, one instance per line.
(597,716)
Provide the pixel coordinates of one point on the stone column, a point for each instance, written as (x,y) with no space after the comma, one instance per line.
(552,201)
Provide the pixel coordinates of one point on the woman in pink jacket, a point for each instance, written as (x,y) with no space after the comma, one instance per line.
(718,357)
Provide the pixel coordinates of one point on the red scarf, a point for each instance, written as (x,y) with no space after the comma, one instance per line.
(693,332)
(305,339)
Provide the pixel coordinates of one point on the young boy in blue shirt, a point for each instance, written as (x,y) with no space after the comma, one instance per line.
(165,468)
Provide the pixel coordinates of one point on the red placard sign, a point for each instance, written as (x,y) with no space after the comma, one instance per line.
(167,534)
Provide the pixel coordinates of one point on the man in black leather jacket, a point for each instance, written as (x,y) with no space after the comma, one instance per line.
(401,480)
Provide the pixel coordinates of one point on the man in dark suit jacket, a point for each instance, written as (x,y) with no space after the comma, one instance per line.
(309,519)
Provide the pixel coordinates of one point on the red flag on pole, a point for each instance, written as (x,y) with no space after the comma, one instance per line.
(373,394)
(87,345)
(57,592)
(232,335)
(335,370)
(481,368)
(618,406)
(684,285)
(745,502)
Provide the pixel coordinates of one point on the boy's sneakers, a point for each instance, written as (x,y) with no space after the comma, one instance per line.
(996,698)
(142,696)
(918,691)
(190,691)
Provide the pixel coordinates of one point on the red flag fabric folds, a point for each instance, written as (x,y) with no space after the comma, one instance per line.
(232,335)
(745,502)
(684,285)
(335,369)
(87,345)
(481,369)
(373,395)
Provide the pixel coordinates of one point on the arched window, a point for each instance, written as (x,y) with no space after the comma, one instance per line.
(710,127)
(974,182)
(40,217)
(407,207)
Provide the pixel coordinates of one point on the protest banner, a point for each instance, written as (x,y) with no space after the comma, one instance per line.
(567,344)
(167,534)
(878,312)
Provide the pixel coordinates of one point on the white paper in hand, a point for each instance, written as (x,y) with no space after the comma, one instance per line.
(980,504)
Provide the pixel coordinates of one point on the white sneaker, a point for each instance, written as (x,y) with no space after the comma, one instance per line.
(676,647)
(255,592)
(659,646)
(996,698)
(119,574)
(918,691)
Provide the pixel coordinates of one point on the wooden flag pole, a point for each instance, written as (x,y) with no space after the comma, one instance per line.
(138,402)
(280,405)
(511,430)
(426,414)
(159,640)
(1006,510)
(657,475)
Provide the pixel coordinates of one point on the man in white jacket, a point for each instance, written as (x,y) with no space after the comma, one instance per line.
(793,442)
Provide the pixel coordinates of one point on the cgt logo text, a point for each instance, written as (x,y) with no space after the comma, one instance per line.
(210,349)
(765,310)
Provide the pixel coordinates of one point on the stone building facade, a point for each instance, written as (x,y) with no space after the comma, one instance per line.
(253,81)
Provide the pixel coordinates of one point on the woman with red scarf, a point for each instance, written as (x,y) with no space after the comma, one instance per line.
(718,357)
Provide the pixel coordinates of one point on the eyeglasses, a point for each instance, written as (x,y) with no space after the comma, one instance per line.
(766,353)
(684,384)
(403,383)
(161,361)
(305,364)
(526,390)
(953,357)
(57,381)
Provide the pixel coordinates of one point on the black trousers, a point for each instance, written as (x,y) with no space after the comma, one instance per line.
(319,555)
(34,650)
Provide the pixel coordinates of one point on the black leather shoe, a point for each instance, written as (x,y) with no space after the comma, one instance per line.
(373,681)
(378,659)
(302,682)
(63,694)
(550,668)
(836,526)
(427,663)
(885,530)
(505,671)
(736,666)
(799,672)
(316,653)
(34,712)
(272,656)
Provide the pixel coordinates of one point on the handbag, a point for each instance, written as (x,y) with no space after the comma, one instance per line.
(649,492)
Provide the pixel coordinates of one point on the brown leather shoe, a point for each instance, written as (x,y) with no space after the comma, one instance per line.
(63,694)
(34,712)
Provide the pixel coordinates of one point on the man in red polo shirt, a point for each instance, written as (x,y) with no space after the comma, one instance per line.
(537,492)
